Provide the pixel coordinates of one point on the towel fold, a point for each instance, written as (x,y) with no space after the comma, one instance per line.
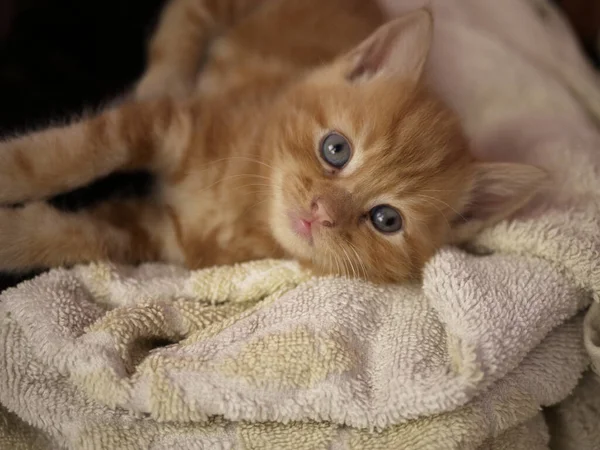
(104,354)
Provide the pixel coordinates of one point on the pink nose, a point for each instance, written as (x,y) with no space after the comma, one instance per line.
(320,214)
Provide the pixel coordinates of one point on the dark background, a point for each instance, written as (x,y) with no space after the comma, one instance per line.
(61,57)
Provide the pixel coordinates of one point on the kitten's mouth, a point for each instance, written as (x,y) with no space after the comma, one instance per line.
(302,227)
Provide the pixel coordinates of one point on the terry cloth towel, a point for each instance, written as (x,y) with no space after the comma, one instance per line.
(262,355)
(156,357)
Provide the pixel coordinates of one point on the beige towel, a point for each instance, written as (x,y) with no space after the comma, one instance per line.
(261,356)
(87,362)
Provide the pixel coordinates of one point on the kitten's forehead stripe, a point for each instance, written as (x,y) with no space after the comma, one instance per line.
(320,117)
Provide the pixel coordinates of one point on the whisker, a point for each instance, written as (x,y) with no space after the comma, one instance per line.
(346,262)
(442,202)
(206,188)
(259,193)
(208,165)
(255,205)
(243,158)
(344,267)
(349,261)
(438,209)
(254,185)
(354,269)
(338,265)
(248,158)
(359,261)
(210,186)
(424,222)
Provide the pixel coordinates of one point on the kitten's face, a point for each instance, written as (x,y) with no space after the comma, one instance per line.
(367,179)
(371,173)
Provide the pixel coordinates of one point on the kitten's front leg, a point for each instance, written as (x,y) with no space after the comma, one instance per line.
(39,236)
(149,136)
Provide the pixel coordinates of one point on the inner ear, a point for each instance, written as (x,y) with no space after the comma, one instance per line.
(399,48)
(498,191)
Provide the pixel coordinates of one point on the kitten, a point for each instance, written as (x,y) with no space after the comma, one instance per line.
(308,134)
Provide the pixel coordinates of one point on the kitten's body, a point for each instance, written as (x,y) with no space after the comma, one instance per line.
(246,69)
(238,161)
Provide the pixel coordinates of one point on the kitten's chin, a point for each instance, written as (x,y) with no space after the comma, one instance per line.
(294,235)
(299,248)
(302,228)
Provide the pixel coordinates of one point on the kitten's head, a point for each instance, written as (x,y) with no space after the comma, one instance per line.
(372,173)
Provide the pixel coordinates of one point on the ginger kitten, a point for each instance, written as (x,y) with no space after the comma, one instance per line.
(307,133)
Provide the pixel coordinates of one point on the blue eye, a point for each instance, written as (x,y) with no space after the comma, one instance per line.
(386,219)
(336,150)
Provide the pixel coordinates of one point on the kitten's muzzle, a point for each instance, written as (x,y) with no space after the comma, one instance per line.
(321,214)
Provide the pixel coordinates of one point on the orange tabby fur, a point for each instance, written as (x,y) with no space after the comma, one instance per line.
(235,147)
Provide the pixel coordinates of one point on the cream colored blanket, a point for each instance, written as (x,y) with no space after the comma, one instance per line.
(155,357)
(263,355)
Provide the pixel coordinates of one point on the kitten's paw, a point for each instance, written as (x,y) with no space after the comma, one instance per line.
(23,232)
(14,170)
(9,238)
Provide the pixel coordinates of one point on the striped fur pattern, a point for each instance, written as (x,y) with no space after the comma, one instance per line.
(230,117)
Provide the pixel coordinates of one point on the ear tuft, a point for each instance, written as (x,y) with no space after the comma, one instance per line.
(399,48)
(499,190)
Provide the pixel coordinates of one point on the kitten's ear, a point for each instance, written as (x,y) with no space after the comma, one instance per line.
(399,48)
(498,191)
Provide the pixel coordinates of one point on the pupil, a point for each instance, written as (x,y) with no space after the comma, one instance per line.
(335,150)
